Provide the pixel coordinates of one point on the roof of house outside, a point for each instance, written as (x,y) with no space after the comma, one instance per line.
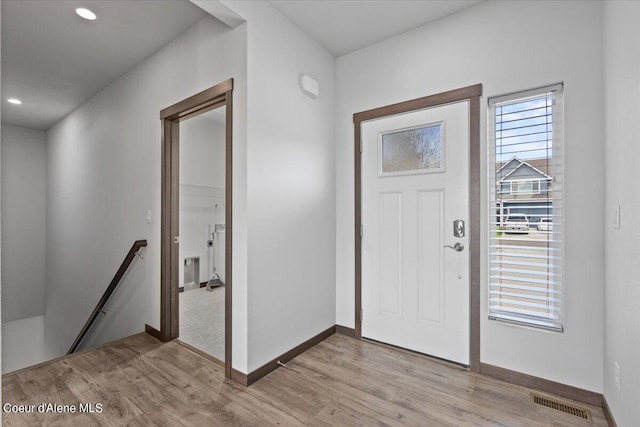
(505,168)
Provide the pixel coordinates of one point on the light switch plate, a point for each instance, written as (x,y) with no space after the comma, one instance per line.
(615,221)
(149,216)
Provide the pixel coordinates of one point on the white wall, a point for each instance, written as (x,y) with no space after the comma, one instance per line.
(622,291)
(291,185)
(506,46)
(202,187)
(23,343)
(202,150)
(104,173)
(23,222)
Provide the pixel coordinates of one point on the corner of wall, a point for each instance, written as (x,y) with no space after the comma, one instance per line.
(290,185)
(622,295)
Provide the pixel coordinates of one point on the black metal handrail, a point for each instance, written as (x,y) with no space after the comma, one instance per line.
(107,294)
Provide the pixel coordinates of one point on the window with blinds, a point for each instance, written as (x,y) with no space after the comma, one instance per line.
(526,208)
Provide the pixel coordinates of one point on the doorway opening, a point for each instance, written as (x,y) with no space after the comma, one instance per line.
(407,156)
(196,230)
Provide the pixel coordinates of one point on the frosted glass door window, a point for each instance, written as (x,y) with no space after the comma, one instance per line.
(412,150)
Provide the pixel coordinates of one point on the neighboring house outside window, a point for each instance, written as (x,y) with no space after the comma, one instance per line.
(523,186)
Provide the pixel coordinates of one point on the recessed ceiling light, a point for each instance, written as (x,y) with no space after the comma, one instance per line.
(14,101)
(86,14)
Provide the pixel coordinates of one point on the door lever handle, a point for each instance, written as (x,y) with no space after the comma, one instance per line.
(457,247)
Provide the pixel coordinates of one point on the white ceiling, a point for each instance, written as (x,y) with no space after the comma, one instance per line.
(348,25)
(54,61)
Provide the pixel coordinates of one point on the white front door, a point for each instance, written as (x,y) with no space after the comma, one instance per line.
(415,184)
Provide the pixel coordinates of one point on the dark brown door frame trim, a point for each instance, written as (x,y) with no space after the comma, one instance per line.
(471,94)
(214,97)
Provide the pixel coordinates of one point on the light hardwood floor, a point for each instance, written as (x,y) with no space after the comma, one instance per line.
(341,381)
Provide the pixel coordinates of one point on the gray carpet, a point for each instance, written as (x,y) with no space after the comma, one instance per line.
(202,320)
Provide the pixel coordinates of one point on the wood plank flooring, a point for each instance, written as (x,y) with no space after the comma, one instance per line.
(339,382)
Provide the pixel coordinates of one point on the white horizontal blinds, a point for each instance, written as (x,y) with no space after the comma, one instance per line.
(526,208)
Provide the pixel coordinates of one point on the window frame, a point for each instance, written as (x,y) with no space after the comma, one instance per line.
(534,183)
(555,187)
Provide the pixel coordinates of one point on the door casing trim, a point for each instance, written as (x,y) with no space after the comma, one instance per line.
(214,97)
(468,93)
